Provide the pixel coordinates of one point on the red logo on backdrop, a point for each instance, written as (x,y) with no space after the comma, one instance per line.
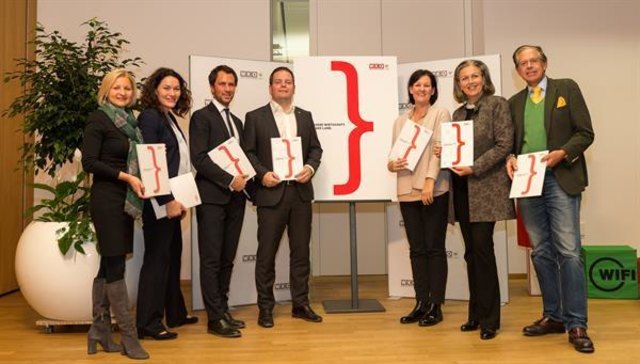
(361,126)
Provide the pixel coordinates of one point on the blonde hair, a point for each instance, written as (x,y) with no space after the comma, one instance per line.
(110,79)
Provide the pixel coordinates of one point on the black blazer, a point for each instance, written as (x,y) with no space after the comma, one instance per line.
(206,131)
(260,127)
(156,129)
(568,126)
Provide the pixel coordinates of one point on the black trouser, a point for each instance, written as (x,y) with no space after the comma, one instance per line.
(482,272)
(294,214)
(426,227)
(219,228)
(159,286)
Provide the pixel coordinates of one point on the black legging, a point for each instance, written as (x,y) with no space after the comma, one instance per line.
(112,268)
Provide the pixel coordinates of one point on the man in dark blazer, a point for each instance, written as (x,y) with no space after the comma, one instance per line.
(223,201)
(551,114)
(282,203)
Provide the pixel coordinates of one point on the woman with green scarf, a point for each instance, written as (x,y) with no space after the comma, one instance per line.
(109,153)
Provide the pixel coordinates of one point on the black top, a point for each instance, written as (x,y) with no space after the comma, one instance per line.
(104,154)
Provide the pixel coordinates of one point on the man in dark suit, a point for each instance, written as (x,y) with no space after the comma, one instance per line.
(282,203)
(223,201)
(551,114)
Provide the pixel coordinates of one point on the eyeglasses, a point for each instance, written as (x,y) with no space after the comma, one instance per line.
(471,77)
(532,61)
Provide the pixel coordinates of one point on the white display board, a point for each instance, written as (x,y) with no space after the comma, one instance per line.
(252,92)
(354,104)
(399,263)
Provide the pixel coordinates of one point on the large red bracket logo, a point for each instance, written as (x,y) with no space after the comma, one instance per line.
(532,174)
(155,166)
(232,158)
(413,145)
(361,126)
(459,142)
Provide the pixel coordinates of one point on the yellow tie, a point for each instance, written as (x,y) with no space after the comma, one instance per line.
(536,96)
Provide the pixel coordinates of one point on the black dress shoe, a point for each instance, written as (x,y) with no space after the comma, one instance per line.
(188,320)
(157,335)
(222,328)
(487,334)
(470,325)
(238,324)
(581,342)
(433,317)
(544,326)
(421,308)
(306,313)
(265,319)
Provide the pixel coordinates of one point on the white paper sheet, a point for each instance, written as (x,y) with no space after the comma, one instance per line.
(457,144)
(287,157)
(230,157)
(410,144)
(529,178)
(184,190)
(152,159)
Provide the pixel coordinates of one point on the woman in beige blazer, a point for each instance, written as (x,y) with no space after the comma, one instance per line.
(424,201)
(481,192)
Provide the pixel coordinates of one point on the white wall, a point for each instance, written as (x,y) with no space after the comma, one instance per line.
(596,42)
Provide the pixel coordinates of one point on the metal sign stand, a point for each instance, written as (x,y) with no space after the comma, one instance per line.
(355,304)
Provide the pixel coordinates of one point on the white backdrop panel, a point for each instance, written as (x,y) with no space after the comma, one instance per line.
(252,92)
(357,90)
(399,264)
(399,268)
(443,70)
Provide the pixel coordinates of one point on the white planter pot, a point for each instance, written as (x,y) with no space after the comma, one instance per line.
(59,287)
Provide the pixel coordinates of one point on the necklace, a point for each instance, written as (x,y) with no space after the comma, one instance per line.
(418,116)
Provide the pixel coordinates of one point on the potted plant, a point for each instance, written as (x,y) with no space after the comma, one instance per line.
(61,84)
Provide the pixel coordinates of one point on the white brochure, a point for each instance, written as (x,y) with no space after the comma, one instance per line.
(410,145)
(152,160)
(184,190)
(529,178)
(457,144)
(230,157)
(287,157)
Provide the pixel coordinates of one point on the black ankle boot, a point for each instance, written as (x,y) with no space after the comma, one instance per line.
(432,317)
(418,312)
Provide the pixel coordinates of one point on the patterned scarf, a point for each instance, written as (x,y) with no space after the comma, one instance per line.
(127,123)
